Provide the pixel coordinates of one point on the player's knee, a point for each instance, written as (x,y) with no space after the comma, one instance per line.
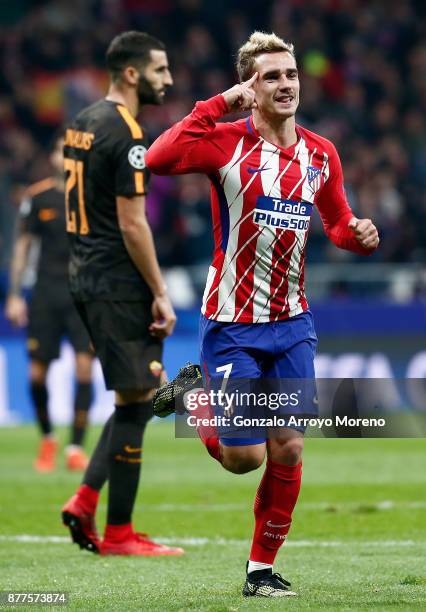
(83,367)
(288,452)
(38,372)
(133,396)
(293,452)
(242,459)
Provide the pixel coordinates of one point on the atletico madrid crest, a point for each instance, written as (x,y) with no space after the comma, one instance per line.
(314,178)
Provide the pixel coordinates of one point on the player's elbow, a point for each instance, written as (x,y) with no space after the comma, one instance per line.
(132,228)
(162,159)
(154,161)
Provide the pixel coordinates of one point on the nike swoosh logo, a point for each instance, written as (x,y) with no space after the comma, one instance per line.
(254,170)
(129,449)
(277,526)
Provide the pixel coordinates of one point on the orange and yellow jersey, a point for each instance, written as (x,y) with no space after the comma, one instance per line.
(104,158)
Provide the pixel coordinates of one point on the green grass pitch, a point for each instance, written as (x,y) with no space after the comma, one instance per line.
(358,540)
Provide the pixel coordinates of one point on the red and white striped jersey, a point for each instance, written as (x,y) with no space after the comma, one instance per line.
(262,197)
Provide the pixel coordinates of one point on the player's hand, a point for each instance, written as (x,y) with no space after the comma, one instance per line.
(164,379)
(241,96)
(164,317)
(365,232)
(16,310)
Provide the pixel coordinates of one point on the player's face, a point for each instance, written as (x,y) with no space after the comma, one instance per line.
(57,157)
(277,87)
(154,79)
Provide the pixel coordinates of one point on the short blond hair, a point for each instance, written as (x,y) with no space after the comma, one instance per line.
(258,43)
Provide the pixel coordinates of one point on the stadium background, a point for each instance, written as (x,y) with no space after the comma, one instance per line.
(363,68)
(358,537)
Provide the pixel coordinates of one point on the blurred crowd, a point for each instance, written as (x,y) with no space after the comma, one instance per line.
(363,79)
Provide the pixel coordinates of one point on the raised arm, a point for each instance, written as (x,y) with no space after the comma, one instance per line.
(187,145)
(341,226)
(191,145)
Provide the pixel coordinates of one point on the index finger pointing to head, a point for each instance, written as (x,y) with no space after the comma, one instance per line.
(251,80)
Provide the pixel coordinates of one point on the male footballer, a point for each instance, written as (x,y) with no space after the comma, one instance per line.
(266,174)
(117,284)
(51,314)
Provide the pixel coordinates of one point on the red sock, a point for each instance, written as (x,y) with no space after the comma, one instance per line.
(88,498)
(275,500)
(118,533)
(213,447)
(207,433)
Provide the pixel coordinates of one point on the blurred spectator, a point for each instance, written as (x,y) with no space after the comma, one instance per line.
(363,72)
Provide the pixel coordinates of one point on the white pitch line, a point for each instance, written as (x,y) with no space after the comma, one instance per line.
(381,505)
(233,507)
(34,539)
(186,541)
(293,544)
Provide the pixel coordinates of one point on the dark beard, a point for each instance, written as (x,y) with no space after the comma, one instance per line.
(146,94)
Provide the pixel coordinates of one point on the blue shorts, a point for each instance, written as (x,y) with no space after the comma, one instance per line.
(275,350)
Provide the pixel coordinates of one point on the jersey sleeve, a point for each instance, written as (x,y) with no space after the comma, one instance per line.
(131,176)
(193,144)
(335,211)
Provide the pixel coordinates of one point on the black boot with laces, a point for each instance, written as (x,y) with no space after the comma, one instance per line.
(263,583)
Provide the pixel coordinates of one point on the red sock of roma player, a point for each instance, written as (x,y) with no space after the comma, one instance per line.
(273,507)
(201,409)
(88,498)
